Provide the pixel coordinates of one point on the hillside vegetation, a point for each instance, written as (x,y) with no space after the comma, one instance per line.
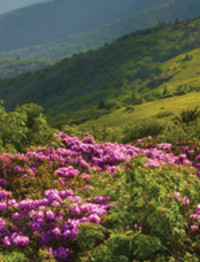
(57,20)
(73,28)
(60,28)
(111,173)
(169,104)
(10,67)
(65,198)
(136,68)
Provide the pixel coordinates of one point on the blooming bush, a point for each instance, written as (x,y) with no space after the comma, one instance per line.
(84,201)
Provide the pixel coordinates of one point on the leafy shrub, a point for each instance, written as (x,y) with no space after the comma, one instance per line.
(142,128)
(148,223)
(23,127)
(105,133)
(129,109)
(188,116)
(173,133)
(12,257)
(110,105)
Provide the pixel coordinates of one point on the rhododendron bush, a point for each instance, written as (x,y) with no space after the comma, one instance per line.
(85,201)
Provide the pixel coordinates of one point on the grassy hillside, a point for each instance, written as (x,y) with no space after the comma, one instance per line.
(61,28)
(162,109)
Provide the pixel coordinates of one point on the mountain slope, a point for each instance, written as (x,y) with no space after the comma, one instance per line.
(131,70)
(60,28)
(9,5)
(12,67)
(42,23)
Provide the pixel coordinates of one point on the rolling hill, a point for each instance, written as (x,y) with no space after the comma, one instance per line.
(136,68)
(60,28)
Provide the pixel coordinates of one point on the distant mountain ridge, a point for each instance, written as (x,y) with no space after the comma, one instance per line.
(62,27)
(42,23)
(9,5)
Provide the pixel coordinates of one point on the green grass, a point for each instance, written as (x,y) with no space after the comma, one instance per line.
(173,104)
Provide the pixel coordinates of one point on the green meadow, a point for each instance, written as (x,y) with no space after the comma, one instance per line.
(173,105)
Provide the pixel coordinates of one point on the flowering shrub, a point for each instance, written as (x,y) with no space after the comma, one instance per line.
(85,201)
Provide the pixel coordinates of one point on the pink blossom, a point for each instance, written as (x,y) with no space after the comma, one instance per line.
(194,228)
(186,201)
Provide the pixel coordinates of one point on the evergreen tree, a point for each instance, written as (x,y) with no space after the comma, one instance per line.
(101,104)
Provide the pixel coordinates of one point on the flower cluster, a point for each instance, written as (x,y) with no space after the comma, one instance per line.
(195,219)
(177,197)
(53,219)
(57,216)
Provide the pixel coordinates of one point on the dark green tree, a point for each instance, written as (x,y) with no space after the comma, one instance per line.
(102,104)
(165,91)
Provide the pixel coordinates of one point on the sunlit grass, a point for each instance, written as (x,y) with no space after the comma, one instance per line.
(146,110)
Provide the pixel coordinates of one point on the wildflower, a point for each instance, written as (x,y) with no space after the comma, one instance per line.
(194,228)
(50,215)
(186,201)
